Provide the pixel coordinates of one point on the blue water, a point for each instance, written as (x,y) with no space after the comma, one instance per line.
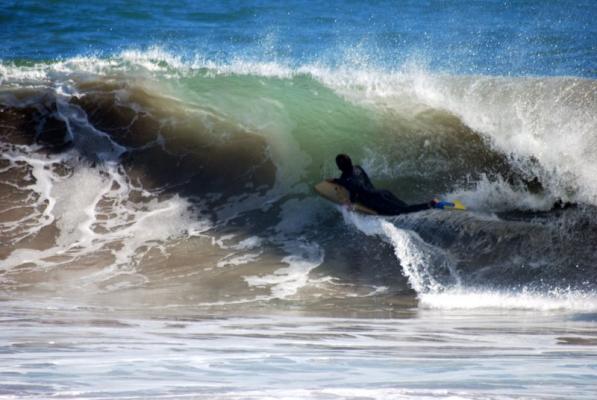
(481,37)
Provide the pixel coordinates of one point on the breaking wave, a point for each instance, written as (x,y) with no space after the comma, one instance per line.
(150,177)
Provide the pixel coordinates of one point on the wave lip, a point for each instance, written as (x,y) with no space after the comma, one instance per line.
(544,125)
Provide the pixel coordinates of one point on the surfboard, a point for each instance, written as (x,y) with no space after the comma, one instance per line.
(339,195)
(450,205)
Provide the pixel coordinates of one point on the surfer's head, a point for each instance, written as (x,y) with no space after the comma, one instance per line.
(344,163)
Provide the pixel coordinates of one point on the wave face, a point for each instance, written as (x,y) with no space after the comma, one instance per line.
(146,178)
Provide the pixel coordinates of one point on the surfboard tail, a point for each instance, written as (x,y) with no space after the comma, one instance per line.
(450,205)
(458,205)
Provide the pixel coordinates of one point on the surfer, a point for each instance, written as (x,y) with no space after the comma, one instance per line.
(358,184)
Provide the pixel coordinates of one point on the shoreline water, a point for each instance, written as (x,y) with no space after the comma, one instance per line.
(429,354)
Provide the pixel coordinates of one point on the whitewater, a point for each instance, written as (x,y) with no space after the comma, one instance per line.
(160,236)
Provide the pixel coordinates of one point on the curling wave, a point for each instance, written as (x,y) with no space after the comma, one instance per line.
(191,180)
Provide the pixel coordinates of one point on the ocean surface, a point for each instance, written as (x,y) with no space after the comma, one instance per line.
(160,236)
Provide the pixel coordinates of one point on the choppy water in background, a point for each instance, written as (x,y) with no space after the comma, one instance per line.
(159,236)
(496,37)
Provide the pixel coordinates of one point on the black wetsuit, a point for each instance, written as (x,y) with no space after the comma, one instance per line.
(383,202)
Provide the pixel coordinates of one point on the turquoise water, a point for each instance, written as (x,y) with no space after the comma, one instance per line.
(160,238)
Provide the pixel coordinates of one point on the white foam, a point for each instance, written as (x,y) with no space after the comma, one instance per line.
(248,243)
(76,198)
(238,260)
(93,212)
(470,299)
(239,66)
(157,222)
(418,259)
(498,195)
(154,59)
(286,282)
(241,255)
(38,192)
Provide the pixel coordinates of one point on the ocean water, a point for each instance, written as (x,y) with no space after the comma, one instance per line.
(160,237)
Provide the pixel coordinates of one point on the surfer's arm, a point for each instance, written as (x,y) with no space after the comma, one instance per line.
(354,197)
(365,182)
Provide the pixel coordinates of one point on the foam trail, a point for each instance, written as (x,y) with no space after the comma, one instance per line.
(38,192)
(421,263)
(471,299)
(286,282)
